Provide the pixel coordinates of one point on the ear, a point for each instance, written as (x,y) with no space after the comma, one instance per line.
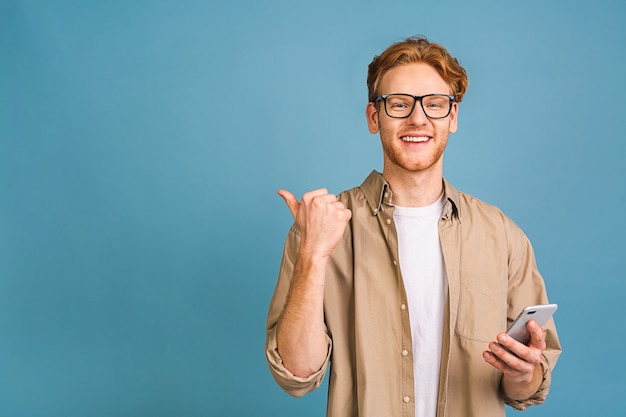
(454,117)
(371,113)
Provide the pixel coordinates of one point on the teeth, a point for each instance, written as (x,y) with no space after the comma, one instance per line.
(415,139)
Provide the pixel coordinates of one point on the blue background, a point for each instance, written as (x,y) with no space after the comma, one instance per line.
(142,143)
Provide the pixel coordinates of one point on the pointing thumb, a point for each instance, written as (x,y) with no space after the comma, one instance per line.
(291,201)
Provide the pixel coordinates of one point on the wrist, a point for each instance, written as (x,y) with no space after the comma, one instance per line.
(521,389)
(312,256)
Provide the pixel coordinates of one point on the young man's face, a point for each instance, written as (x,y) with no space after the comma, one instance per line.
(417,142)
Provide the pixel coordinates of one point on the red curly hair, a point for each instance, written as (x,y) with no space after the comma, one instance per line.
(418,49)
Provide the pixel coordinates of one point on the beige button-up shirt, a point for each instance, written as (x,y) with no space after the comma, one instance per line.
(492,276)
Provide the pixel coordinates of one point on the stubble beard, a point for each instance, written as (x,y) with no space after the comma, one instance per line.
(397,161)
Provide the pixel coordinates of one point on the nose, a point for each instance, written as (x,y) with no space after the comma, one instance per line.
(418,116)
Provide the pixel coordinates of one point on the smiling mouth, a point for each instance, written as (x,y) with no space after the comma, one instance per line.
(415,139)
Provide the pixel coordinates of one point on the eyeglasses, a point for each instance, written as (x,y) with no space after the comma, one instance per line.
(400,106)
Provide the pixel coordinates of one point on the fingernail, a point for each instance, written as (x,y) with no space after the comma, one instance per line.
(502,338)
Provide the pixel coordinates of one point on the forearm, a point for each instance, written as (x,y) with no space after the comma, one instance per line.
(300,331)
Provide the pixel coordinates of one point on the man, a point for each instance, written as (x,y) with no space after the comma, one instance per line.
(404,284)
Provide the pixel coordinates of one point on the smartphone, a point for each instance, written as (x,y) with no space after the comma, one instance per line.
(539,313)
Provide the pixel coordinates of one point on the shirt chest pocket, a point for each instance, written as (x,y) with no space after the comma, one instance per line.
(482,308)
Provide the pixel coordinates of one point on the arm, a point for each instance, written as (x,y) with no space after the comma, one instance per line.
(527,374)
(300,330)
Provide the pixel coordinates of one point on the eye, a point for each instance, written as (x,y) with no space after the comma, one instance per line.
(433,105)
(436,103)
(399,103)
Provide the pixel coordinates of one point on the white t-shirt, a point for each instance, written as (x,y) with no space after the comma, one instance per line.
(425,281)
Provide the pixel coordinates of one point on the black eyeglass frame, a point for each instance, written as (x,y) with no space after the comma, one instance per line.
(383,98)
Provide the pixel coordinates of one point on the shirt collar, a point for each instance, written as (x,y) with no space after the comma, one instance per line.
(378,195)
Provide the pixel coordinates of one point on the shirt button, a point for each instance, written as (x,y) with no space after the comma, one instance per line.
(405,352)
(406,399)
(395,262)
(388,221)
(402,306)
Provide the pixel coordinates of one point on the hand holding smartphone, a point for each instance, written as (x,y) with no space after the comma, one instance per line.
(540,313)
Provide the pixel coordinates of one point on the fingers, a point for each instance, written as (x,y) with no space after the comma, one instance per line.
(291,201)
(537,336)
(508,355)
(294,205)
(321,219)
(324,202)
(514,358)
(494,361)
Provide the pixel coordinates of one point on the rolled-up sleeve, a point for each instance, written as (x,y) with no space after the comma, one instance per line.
(540,396)
(293,385)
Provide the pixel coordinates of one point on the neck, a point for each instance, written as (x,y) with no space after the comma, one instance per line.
(415,189)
